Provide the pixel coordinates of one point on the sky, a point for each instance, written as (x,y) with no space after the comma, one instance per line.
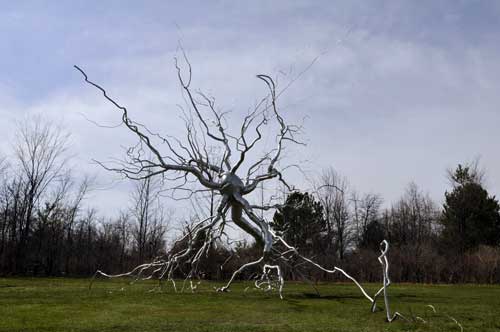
(398,91)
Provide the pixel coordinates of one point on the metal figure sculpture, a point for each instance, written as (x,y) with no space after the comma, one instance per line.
(189,161)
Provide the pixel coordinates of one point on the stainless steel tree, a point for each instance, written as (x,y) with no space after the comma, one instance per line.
(191,160)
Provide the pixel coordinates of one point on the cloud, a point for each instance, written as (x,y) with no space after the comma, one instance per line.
(400,91)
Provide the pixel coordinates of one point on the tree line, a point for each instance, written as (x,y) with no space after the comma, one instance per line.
(456,243)
(45,228)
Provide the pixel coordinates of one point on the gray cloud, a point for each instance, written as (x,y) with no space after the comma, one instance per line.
(401,90)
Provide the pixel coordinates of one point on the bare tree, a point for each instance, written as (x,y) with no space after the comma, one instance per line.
(332,191)
(73,211)
(143,198)
(124,227)
(365,210)
(5,204)
(14,207)
(86,234)
(149,218)
(410,225)
(40,152)
(413,217)
(189,162)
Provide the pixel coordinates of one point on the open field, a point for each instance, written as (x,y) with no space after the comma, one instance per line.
(68,305)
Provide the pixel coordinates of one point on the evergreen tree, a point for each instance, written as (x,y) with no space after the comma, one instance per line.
(470,217)
(301,223)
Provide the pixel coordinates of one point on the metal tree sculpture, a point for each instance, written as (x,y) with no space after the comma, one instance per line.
(190,161)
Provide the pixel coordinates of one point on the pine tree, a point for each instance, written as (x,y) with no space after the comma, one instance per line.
(301,222)
(471,216)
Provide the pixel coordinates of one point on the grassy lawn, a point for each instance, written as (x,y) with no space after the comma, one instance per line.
(68,305)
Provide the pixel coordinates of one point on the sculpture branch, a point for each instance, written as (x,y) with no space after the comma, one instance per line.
(190,158)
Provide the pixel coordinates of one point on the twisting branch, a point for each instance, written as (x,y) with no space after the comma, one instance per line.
(219,176)
(164,166)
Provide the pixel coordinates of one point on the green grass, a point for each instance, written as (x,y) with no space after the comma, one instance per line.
(68,305)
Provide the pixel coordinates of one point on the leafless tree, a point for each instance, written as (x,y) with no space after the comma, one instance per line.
(411,226)
(5,203)
(332,191)
(40,152)
(413,217)
(149,218)
(188,161)
(365,210)
(143,198)
(73,211)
